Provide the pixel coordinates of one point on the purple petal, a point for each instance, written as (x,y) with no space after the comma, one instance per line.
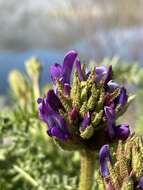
(74,113)
(111,130)
(68,65)
(123,97)
(104,157)
(58,133)
(54,101)
(43,112)
(56,71)
(109,74)
(39,100)
(122,131)
(140,184)
(112,85)
(110,113)
(67,89)
(100,72)
(53,120)
(86,121)
(79,70)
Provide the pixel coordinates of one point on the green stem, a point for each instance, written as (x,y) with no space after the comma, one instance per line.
(86,170)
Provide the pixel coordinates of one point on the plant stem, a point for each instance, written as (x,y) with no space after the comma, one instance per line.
(86,170)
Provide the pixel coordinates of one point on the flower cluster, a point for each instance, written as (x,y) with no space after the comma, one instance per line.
(125,171)
(84,112)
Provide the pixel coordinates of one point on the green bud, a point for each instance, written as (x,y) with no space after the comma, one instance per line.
(66,102)
(96,118)
(83,109)
(92,77)
(76,91)
(114,177)
(101,100)
(93,98)
(88,132)
(19,85)
(84,93)
(128,184)
(60,87)
(119,151)
(115,94)
(123,167)
(33,68)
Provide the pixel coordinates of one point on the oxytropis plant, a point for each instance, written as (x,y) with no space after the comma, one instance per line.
(81,112)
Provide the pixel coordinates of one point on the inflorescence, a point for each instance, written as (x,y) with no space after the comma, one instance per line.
(124,171)
(82,112)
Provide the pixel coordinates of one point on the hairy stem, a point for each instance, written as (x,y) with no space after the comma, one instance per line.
(87,170)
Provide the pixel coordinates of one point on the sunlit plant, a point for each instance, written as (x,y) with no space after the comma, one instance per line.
(81,115)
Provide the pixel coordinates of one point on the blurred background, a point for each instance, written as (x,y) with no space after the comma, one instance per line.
(103,32)
(48,29)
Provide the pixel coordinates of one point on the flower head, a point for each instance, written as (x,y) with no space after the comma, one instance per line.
(84,107)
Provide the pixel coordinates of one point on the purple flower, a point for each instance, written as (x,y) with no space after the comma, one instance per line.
(79,70)
(104,157)
(86,121)
(111,86)
(68,65)
(54,101)
(74,113)
(110,115)
(122,131)
(109,74)
(123,97)
(100,72)
(56,71)
(64,72)
(140,184)
(57,126)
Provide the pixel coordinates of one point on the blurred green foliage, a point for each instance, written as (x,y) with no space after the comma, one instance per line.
(28,157)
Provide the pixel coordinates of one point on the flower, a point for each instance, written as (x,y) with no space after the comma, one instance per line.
(109,74)
(86,121)
(122,131)
(57,126)
(112,85)
(123,97)
(140,184)
(85,107)
(54,101)
(104,157)
(79,70)
(64,72)
(100,72)
(110,115)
